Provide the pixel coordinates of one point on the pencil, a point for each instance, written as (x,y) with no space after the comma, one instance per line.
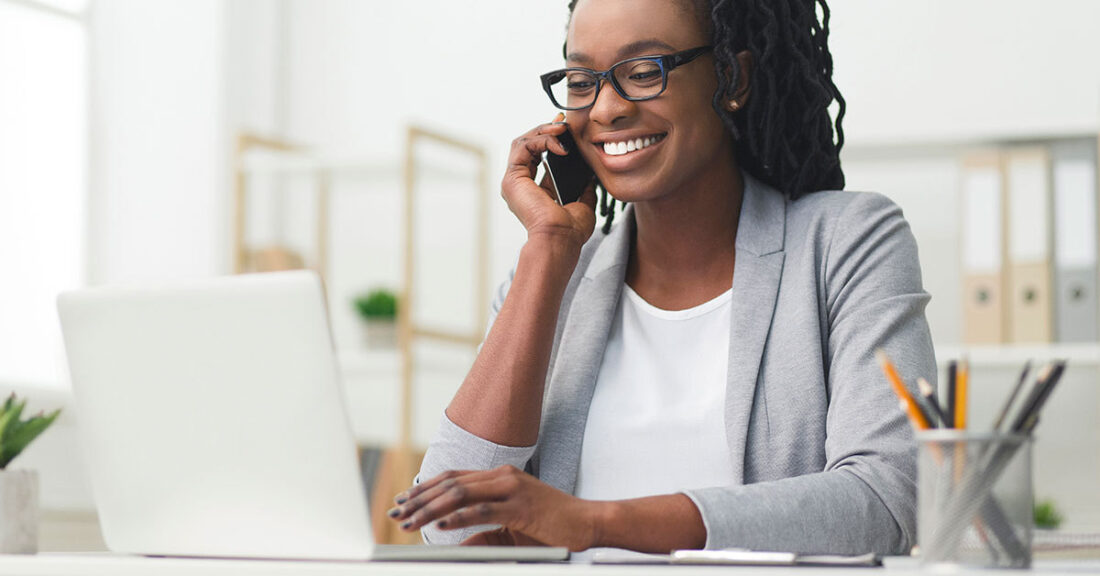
(916,416)
(1028,415)
(961,389)
(929,394)
(1012,397)
(952,373)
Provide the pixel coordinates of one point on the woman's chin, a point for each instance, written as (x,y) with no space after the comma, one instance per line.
(629,195)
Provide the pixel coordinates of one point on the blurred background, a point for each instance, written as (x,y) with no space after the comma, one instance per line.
(151,140)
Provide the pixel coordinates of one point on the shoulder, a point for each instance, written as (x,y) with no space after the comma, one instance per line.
(842,210)
(843,218)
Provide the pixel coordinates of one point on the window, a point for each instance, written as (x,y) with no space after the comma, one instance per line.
(43,181)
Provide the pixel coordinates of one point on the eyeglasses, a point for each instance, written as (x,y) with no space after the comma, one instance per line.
(636,79)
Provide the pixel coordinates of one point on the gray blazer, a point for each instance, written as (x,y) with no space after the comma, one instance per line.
(823,459)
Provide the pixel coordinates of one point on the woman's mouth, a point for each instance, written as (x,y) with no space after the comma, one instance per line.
(622,147)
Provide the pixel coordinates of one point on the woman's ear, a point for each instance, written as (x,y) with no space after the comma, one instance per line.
(740,94)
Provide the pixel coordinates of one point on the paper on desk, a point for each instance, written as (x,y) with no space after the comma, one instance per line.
(755,558)
(619,556)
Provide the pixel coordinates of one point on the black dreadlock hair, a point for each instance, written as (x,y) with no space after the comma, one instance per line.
(783,135)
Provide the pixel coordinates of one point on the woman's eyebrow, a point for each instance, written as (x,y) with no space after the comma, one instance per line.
(638,48)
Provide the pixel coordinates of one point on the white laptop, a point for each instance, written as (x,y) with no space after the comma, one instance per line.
(213,424)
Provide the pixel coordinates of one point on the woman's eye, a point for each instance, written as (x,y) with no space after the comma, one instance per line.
(577,86)
(642,74)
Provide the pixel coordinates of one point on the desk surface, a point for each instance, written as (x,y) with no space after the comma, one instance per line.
(114,565)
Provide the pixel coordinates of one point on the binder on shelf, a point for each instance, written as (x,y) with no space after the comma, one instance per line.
(983,248)
(1030,273)
(1076,241)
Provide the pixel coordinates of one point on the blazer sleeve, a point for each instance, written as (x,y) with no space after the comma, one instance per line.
(453,448)
(865,498)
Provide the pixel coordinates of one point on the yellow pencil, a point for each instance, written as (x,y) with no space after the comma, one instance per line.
(916,415)
(961,389)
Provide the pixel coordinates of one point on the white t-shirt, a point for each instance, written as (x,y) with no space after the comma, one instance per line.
(656,424)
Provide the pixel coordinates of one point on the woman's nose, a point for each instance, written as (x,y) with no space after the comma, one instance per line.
(609,106)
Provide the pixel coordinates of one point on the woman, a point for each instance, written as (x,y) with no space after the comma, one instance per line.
(703,374)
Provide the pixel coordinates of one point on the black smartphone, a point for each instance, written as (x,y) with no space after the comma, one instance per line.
(569,174)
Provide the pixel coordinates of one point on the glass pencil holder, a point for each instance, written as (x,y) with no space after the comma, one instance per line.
(974,499)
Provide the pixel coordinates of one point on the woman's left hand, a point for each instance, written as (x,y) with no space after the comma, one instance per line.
(528,511)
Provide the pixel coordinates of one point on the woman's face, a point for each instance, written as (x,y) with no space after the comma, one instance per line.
(692,142)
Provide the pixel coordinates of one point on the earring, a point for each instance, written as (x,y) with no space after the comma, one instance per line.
(733,105)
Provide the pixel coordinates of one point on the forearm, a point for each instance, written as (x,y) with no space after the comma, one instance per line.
(841,511)
(501,397)
(657,524)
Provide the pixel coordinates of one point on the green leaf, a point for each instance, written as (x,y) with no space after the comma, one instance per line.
(14,443)
(14,410)
(5,418)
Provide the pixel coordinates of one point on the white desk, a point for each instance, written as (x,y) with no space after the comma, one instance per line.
(111,565)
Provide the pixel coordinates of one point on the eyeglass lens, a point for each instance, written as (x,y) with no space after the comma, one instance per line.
(635,78)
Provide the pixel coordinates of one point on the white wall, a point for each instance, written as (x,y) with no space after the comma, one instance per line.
(940,70)
(159,147)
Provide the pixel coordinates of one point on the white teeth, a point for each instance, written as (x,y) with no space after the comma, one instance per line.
(620,148)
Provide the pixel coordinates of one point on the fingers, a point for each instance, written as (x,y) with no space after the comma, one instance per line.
(429,484)
(527,149)
(450,496)
(476,515)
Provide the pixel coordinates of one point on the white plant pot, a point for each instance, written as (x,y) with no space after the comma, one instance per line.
(18,512)
(380,334)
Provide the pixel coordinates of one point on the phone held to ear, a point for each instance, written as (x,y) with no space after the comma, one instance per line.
(569,174)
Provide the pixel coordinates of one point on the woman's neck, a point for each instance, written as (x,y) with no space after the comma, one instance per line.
(682,253)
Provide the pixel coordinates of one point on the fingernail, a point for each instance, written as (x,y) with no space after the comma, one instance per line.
(559,118)
(401,499)
(394,512)
(441,524)
(406,525)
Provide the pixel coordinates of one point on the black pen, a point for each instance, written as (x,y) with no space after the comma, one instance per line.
(933,404)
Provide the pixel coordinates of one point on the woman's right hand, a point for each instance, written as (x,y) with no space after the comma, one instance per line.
(534,204)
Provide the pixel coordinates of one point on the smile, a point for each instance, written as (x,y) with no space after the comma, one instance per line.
(628,146)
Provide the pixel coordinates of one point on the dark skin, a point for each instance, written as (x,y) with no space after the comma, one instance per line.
(686,190)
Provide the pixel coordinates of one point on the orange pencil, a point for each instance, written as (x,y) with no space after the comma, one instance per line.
(916,415)
(961,390)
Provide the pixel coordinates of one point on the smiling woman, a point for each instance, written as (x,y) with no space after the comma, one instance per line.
(702,374)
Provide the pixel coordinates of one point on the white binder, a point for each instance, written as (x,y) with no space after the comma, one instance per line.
(1075,241)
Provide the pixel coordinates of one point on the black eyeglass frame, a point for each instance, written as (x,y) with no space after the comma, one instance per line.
(666,62)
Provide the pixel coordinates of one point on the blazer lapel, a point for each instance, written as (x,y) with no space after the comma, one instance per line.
(756,275)
(578,359)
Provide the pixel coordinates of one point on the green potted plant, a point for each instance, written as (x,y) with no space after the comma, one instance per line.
(378,309)
(19,488)
(1047,515)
